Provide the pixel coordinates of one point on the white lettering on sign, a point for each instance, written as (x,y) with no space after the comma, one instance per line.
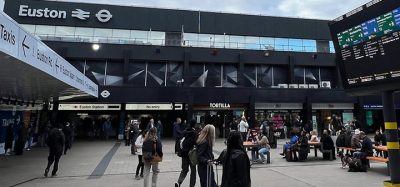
(89,107)
(220,105)
(149,107)
(25,11)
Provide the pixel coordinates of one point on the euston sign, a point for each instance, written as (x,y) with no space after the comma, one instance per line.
(25,11)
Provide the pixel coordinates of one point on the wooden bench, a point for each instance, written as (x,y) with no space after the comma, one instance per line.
(348,149)
(379,159)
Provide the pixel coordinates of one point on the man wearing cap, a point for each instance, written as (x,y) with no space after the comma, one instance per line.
(355,139)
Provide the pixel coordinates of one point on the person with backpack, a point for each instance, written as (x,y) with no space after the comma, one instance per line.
(188,144)
(139,145)
(236,163)
(205,143)
(152,155)
(55,141)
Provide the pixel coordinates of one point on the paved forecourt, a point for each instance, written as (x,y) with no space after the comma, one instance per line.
(100,163)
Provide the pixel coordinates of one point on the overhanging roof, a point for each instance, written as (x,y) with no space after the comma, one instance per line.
(30,70)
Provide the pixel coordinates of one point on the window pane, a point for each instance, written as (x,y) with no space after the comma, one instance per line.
(45,30)
(205,40)
(249,76)
(137,73)
(331,47)
(115,73)
(156,74)
(65,31)
(156,38)
(174,74)
(139,37)
(312,75)
(236,42)
(80,31)
(299,75)
(190,39)
(281,44)
(214,75)
(119,33)
(230,76)
(29,28)
(198,75)
(219,41)
(329,74)
(310,45)
(280,75)
(264,76)
(295,45)
(253,43)
(95,71)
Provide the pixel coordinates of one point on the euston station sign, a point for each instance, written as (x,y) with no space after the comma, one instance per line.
(89,107)
(25,11)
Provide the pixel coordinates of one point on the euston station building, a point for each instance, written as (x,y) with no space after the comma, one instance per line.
(207,66)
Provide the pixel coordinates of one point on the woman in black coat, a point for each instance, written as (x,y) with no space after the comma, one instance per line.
(236,163)
(328,144)
(9,139)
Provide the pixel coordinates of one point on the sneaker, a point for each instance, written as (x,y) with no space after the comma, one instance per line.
(141,176)
(177,184)
(46,172)
(137,177)
(282,154)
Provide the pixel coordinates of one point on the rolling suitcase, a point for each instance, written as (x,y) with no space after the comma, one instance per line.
(210,174)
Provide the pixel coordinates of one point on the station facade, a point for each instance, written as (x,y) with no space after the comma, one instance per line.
(207,66)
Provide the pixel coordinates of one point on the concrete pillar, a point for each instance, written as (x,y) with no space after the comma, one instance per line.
(392,139)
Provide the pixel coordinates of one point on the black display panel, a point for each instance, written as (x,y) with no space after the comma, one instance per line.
(367,44)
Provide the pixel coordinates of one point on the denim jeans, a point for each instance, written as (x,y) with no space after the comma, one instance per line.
(147,167)
(262,152)
(254,153)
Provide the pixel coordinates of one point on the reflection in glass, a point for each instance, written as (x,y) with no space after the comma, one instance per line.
(198,75)
(65,31)
(299,75)
(174,74)
(312,75)
(249,75)
(214,75)
(136,75)
(280,75)
(230,76)
(156,74)
(43,30)
(115,73)
(264,76)
(95,70)
(29,28)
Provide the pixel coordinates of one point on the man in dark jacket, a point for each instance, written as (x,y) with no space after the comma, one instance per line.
(236,163)
(68,137)
(327,144)
(177,134)
(187,145)
(55,141)
(366,147)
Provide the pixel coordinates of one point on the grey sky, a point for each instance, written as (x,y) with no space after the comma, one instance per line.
(320,9)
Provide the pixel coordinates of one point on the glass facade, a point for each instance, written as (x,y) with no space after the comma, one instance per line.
(138,37)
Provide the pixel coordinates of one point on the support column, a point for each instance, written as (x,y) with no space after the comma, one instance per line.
(240,70)
(127,55)
(392,139)
(121,128)
(291,69)
(186,69)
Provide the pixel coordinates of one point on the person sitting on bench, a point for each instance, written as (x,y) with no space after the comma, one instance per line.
(293,141)
(263,148)
(366,148)
(327,144)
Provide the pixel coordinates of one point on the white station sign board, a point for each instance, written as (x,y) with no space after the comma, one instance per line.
(168,106)
(20,44)
(89,107)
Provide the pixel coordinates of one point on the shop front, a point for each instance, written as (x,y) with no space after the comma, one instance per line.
(323,114)
(221,115)
(92,120)
(283,116)
(165,113)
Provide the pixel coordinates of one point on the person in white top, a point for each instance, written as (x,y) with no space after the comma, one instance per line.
(139,145)
(314,137)
(243,126)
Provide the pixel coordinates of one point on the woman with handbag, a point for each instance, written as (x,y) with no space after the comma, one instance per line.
(152,155)
(205,143)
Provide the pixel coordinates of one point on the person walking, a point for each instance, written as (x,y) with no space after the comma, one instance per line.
(243,126)
(107,128)
(235,163)
(9,139)
(187,145)
(139,145)
(128,128)
(133,135)
(177,134)
(67,130)
(205,143)
(152,155)
(55,141)
(160,129)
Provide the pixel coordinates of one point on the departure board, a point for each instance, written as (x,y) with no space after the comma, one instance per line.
(367,44)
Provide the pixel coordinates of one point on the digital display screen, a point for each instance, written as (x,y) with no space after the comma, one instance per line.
(367,44)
